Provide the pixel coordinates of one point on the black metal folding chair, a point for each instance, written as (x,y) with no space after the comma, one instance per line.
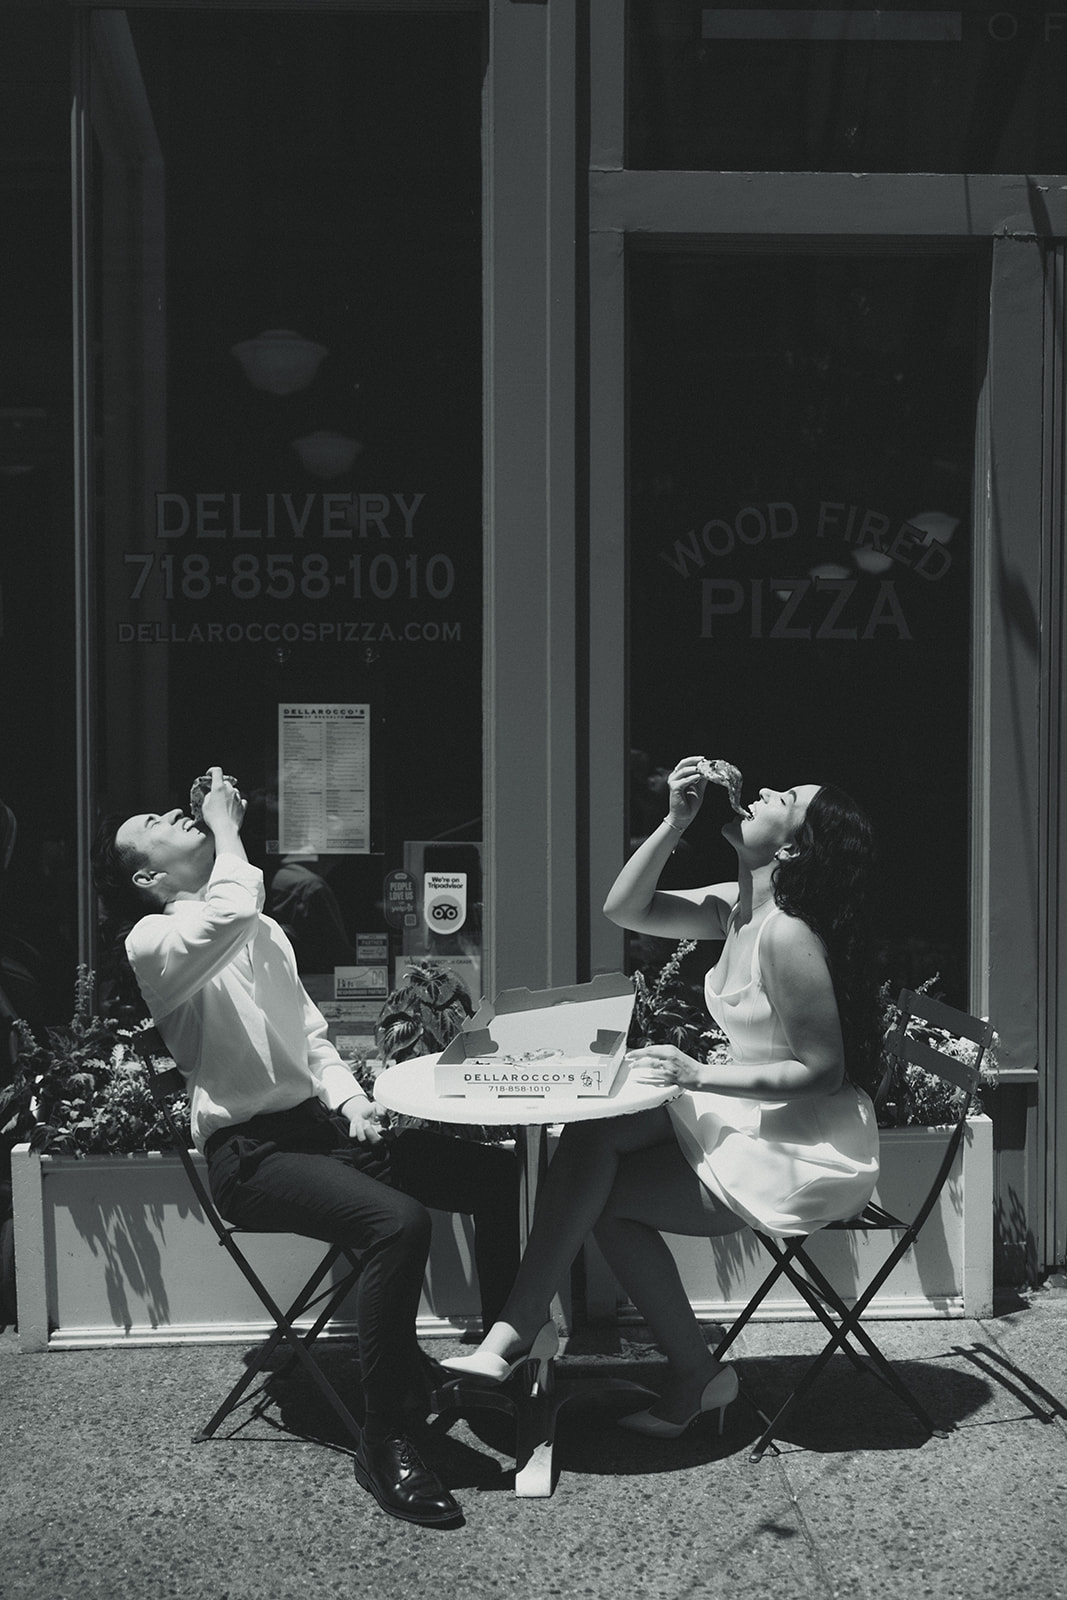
(913,1039)
(321,1290)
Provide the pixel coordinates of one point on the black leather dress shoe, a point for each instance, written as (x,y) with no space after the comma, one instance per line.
(402,1483)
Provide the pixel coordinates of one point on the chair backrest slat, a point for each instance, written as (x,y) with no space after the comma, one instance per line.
(964,1074)
(924,1050)
(940,1015)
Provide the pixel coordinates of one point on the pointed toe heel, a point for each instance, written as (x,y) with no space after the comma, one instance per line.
(495,1369)
(718,1393)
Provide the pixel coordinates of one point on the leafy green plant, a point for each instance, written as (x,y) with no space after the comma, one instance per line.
(423,1014)
(85,1091)
(420,1017)
(668,1010)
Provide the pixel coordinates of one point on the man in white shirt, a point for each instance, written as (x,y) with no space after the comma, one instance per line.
(292,1142)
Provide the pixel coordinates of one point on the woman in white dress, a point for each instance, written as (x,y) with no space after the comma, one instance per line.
(782,1136)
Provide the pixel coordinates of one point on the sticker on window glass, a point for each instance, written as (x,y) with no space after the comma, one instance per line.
(444,901)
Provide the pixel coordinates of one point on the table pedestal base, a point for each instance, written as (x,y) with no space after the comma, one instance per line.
(535,1407)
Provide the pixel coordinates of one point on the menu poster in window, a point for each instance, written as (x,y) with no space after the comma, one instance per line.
(323,779)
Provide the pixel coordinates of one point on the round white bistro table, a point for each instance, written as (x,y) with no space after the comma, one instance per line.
(408,1088)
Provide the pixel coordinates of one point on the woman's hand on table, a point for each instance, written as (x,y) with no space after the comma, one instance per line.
(663,1065)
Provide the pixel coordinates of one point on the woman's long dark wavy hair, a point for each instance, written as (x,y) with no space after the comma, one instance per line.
(829,884)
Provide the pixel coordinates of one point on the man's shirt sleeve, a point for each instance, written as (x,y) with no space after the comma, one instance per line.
(336,1083)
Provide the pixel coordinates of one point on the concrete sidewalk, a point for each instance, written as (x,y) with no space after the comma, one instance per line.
(105,1495)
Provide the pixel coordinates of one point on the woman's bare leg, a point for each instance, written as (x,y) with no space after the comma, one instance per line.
(574,1192)
(657,1191)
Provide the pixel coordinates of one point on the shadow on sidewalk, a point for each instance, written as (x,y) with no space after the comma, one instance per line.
(844,1411)
(1033,1395)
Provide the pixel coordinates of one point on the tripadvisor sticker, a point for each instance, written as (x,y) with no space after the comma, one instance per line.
(444,901)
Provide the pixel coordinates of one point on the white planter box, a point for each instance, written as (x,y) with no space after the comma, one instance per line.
(948,1273)
(114,1250)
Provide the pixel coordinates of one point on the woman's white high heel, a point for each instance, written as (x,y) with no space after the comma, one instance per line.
(484,1364)
(719,1392)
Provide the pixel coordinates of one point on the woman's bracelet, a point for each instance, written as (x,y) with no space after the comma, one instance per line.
(673,825)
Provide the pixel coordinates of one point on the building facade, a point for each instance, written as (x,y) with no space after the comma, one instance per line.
(445,416)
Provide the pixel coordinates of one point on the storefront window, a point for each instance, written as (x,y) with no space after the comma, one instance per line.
(38,787)
(288,523)
(801,446)
(822,87)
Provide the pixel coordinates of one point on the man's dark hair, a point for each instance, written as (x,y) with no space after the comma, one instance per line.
(113,868)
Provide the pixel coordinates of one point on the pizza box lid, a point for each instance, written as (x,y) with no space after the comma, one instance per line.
(582,1029)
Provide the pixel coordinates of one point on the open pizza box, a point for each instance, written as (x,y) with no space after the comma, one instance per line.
(541,1043)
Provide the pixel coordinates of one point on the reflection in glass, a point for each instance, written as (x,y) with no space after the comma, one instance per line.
(279,360)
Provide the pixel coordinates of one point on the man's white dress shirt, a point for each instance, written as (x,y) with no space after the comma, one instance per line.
(221,982)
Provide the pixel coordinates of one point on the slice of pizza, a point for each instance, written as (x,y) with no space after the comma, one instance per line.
(200,789)
(725,773)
